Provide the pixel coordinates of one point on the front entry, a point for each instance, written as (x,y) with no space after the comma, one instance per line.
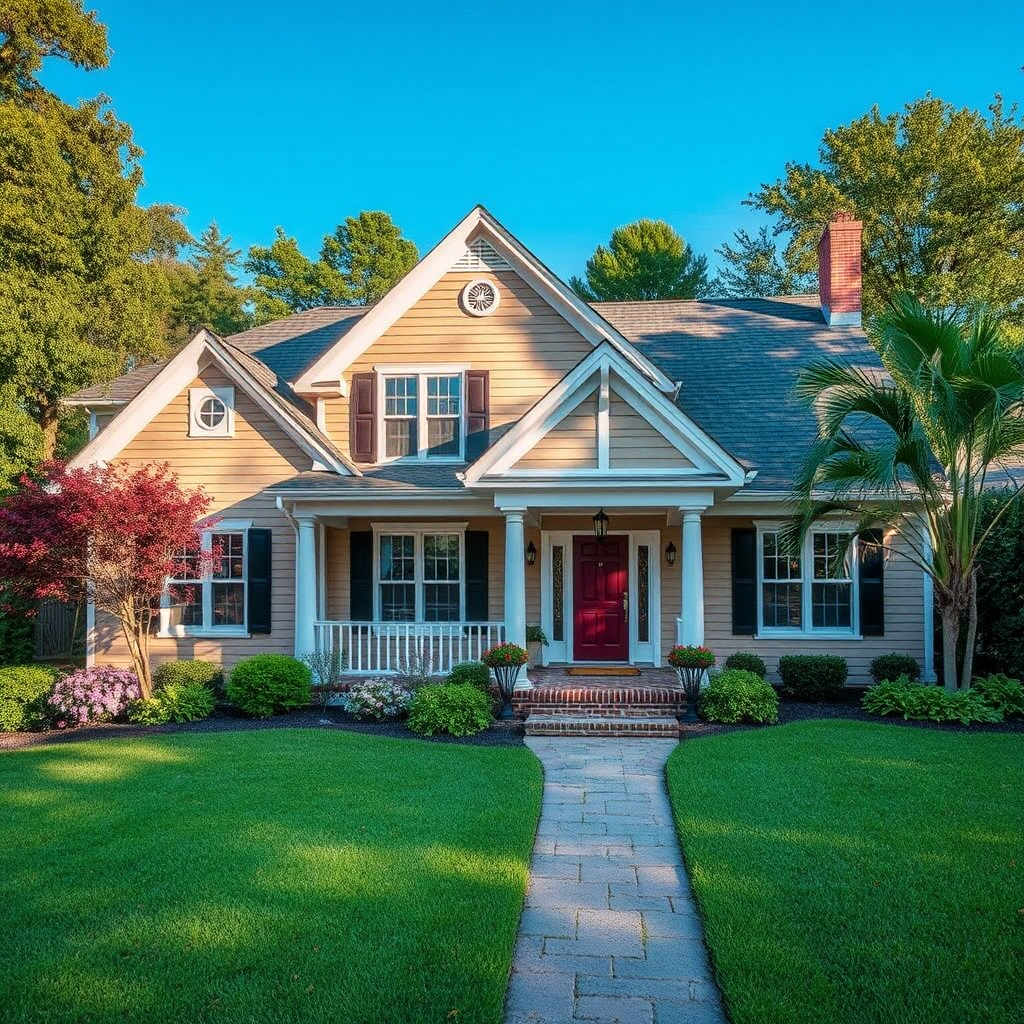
(600,600)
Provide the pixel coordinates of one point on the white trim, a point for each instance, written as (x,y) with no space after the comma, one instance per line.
(928,611)
(698,447)
(604,420)
(321,570)
(196,398)
(175,376)
(90,633)
(329,368)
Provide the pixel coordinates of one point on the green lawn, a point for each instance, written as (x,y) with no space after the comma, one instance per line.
(276,875)
(851,873)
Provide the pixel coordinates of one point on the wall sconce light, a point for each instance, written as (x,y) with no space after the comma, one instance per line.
(670,553)
(600,525)
(531,553)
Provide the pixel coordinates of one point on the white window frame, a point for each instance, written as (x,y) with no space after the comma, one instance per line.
(208,629)
(418,531)
(421,372)
(807,630)
(196,397)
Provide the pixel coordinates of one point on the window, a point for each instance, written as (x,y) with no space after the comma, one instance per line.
(821,601)
(422,415)
(419,574)
(214,601)
(211,412)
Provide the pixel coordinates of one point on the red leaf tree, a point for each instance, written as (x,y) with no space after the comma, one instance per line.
(110,534)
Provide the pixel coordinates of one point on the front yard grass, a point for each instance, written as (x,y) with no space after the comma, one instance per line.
(852,872)
(278,875)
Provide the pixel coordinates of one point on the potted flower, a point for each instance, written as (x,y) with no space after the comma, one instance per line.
(535,640)
(505,660)
(690,664)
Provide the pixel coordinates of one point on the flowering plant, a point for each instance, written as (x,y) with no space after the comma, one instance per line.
(92,695)
(504,654)
(377,700)
(691,657)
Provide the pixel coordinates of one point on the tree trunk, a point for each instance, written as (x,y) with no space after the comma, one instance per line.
(49,422)
(972,635)
(134,635)
(950,638)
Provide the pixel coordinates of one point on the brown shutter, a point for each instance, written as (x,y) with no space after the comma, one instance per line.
(478,413)
(362,407)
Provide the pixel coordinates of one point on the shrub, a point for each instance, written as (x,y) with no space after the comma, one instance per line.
(98,694)
(471,673)
(326,664)
(148,711)
(815,677)
(1003,693)
(269,684)
(892,666)
(419,667)
(186,702)
(457,710)
(748,662)
(377,700)
(206,673)
(736,695)
(536,635)
(922,701)
(23,693)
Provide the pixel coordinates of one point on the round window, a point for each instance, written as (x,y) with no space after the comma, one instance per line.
(212,413)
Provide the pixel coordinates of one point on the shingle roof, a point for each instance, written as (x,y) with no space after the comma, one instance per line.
(121,389)
(398,477)
(736,362)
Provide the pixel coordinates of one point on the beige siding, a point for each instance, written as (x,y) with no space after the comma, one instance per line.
(571,444)
(633,443)
(525,344)
(904,616)
(234,471)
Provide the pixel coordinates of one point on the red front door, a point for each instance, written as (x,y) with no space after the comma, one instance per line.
(600,574)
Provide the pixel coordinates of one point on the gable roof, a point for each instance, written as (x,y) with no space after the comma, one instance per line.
(736,362)
(177,373)
(325,372)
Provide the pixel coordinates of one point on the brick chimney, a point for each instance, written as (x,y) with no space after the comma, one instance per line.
(839,283)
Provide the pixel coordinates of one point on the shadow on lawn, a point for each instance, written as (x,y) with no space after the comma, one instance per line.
(304,877)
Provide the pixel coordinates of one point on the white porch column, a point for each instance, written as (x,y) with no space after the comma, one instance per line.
(305,585)
(690,625)
(515,583)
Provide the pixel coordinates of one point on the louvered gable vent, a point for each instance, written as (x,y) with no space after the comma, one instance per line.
(481,255)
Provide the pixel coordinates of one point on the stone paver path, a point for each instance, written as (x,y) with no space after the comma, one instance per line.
(610,932)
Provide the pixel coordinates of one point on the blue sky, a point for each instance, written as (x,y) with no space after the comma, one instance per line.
(565,119)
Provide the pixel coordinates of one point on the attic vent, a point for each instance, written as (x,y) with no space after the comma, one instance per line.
(481,255)
(480,297)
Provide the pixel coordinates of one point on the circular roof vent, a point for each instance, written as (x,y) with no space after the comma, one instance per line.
(480,298)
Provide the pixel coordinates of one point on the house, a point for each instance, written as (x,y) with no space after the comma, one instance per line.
(482,449)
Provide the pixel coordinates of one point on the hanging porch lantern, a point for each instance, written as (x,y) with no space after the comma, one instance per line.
(600,525)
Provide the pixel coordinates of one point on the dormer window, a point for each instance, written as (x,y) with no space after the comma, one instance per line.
(422,415)
(211,412)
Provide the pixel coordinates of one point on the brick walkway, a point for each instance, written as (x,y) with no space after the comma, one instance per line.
(610,932)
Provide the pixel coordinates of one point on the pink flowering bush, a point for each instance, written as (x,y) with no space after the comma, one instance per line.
(377,700)
(92,695)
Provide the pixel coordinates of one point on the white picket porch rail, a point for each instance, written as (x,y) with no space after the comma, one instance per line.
(380,648)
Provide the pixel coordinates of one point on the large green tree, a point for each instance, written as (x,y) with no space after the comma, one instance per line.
(647,259)
(941,193)
(751,267)
(370,254)
(81,285)
(913,451)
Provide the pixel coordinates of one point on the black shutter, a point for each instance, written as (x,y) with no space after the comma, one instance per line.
(744,582)
(871,567)
(476,576)
(478,413)
(260,543)
(362,410)
(361,575)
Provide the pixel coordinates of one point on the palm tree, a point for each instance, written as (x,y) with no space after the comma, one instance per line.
(912,448)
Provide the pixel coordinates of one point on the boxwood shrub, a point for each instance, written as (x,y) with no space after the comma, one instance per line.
(23,693)
(458,710)
(748,662)
(892,666)
(186,702)
(270,684)
(206,673)
(736,695)
(471,673)
(814,677)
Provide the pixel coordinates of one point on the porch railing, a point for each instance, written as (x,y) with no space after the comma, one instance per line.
(373,648)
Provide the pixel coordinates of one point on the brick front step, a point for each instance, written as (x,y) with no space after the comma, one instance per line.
(660,727)
(601,710)
(601,701)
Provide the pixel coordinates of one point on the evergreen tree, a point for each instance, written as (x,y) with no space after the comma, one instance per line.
(643,260)
(207,293)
